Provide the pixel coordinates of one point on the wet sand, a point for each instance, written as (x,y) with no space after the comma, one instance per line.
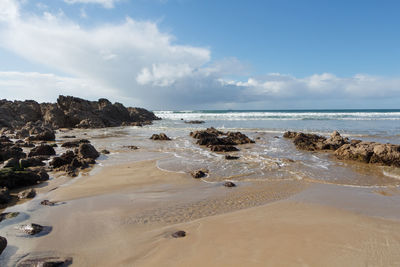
(124,215)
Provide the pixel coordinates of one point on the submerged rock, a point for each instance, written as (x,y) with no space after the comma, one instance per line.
(105,151)
(179,234)
(30,229)
(4,195)
(8,215)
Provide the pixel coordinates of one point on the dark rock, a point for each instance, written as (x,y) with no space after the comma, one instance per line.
(46,261)
(229,157)
(195,122)
(17,178)
(44,176)
(64,159)
(8,215)
(75,143)
(199,173)
(223,148)
(4,195)
(132,147)
(218,141)
(7,152)
(66,113)
(68,136)
(86,151)
(3,244)
(161,136)
(105,151)
(30,229)
(29,193)
(179,234)
(32,162)
(11,163)
(47,202)
(229,184)
(42,150)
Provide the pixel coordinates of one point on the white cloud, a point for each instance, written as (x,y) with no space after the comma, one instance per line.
(134,62)
(105,3)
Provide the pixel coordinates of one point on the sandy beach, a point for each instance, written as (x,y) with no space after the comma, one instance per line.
(124,215)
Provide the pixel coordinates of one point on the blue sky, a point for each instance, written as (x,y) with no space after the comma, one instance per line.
(173,54)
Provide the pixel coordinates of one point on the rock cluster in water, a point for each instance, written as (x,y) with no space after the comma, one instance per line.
(219,141)
(344,149)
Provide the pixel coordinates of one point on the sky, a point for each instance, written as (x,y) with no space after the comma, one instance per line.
(203,54)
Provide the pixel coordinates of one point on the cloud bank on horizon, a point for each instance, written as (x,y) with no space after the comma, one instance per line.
(136,63)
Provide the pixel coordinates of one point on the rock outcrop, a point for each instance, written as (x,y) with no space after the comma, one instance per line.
(161,136)
(68,112)
(344,149)
(219,141)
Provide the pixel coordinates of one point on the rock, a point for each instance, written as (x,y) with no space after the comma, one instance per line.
(195,122)
(11,163)
(218,141)
(3,244)
(179,234)
(161,136)
(199,173)
(44,176)
(386,154)
(30,229)
(32,162)
(362,151)
(87,151)
(68,136)
(7,152)
(223,148)
(8,215)
(310,142)
(66,113)
(17,178)
(29,193)
(42,150)
(290,134)
(4,195)
(229,184)
(45,261)
(75,143)
(47,202)
(65,159)
(335,141)
(132,147)
(105,151)
(229,157)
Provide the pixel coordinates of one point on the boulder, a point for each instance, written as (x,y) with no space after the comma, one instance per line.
(229,184)
(386,154)
(75,143)
(161,136)
(310,142)
(30,229)
(4,195)
(29,193)
(17,178)
(87,151)
(179,234)
(32,162)
(42,150)
(7,152)
(3,244)
(362,151)
(199,173)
